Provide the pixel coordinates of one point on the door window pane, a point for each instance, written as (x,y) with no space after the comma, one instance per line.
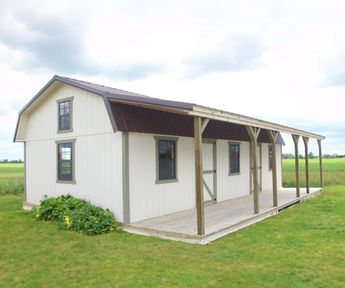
(234,158)
(270,157)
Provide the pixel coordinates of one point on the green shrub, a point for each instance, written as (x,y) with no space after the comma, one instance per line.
(75,214)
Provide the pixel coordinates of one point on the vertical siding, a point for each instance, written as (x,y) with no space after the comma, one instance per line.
(279,165)
(148,199)
(266,173)
(98,151)
(232,186)
(89,115)
(207,162)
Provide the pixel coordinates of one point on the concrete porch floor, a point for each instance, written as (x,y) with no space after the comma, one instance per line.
(221,218)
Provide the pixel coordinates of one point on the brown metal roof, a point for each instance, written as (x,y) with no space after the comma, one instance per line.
(117,94)
(130,118)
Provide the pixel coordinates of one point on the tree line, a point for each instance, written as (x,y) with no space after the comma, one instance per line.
(312,156)
(11,161)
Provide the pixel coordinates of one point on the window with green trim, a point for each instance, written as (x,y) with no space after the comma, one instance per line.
(166,159)
(64,115)
(65,161)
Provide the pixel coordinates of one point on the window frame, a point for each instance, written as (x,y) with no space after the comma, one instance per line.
(157,139)
(239,158)
(270,157)
(70,100)
(67,141)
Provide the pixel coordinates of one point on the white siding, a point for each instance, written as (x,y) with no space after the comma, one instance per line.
(148,199)
(279,166)
(232,186)
(89,115)
(98,151)
(266,173)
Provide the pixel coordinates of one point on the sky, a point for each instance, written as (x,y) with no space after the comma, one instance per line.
(280,61)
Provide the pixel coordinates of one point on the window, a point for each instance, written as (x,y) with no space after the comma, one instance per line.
(270,157)
(234,152)
(65,161)
(166,160)
(65,115)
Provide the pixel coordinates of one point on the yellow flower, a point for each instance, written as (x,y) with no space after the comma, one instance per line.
(68,222)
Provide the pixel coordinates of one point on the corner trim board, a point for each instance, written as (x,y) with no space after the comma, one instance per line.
(125,179)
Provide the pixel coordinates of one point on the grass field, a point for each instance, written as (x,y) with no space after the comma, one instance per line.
(301,247)
(333,172)
(11,178)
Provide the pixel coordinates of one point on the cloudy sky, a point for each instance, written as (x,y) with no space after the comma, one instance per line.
(281,61)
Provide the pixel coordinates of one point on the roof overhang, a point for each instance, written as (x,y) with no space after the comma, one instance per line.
(224,116)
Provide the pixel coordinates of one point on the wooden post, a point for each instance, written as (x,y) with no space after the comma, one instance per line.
(273,138)
(199,193)
(306,159)
(253,134)
(320,162)
(295,140)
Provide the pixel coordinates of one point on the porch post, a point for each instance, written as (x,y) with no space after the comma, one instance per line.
(320,162)
(253,134)
(295,140)
(273,137)
(199,195)
(306,159)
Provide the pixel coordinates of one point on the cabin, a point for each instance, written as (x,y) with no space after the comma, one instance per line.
(170,169)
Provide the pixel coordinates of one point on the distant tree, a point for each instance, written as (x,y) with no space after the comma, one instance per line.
(288,156)
(300,156)
(311,155)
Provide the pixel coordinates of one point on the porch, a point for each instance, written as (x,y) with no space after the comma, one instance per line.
(221,218)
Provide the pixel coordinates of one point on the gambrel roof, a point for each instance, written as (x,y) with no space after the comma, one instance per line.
(132,112)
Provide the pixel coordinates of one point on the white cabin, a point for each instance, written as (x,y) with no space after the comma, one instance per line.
(136,155)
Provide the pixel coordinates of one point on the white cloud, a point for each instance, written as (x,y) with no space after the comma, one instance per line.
(281,61)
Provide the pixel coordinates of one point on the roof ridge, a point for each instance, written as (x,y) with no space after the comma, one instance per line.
(105,86)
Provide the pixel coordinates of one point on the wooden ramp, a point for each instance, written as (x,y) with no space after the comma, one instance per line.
(221,218)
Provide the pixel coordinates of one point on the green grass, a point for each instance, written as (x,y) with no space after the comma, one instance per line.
(301,247)
(11,178)
(333,172)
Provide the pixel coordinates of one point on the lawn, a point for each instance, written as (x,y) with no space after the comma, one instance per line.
(303,246)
